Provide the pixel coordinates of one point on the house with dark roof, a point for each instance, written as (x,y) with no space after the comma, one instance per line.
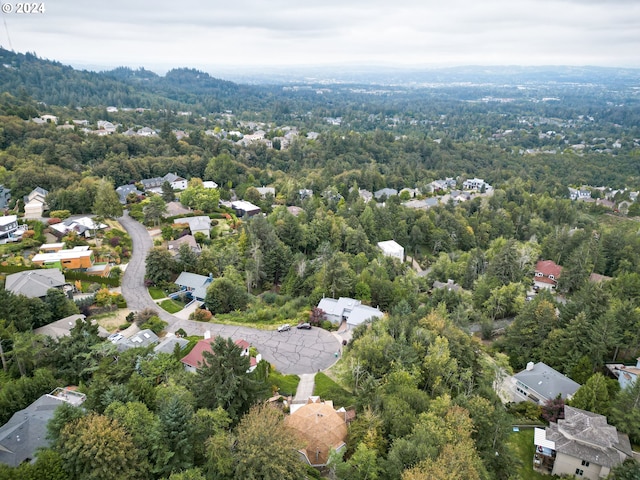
(123,192)
(168,345)
(5,196)
(582,444)
(26,431)
(385,193)
(546,275)
(174,245)
(195,284)
(321,427)
(62,328)
(539,383)
(34,283)
(144,338)
(242,208)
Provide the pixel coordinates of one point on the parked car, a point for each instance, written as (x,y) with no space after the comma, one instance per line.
(284,328)
(305,326)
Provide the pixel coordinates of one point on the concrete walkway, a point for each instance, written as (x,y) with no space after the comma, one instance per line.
(305,388)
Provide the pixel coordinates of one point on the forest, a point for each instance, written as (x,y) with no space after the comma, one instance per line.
(422,380)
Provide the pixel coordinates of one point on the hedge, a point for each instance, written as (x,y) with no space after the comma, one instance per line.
(72,275)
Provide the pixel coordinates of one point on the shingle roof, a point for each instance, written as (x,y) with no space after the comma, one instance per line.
(587,436)
(34,283)
(547,382)
(191,280)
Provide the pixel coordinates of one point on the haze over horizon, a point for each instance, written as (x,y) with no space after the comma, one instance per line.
(249,35)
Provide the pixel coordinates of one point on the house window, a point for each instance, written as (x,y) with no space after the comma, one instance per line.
(579,472)
(585,463)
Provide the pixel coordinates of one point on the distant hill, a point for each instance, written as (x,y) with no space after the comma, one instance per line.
(56,84)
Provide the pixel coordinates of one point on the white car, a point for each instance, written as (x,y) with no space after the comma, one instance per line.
(284,328)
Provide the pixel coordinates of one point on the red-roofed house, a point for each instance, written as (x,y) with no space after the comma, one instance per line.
(547,275)
(195,358)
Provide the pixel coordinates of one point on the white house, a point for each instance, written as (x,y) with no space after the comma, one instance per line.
(349,310)
(390,248)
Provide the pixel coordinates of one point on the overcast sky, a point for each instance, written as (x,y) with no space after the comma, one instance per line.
(162,34)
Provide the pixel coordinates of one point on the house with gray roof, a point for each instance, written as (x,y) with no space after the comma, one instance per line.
(348,310)
(539,383)
(5,196)
(123,192)
(200,224)
(26,431)
(385,192)
(582,444)
(168,345)
(62,328)
(34,283)
(143,338)
(194,283)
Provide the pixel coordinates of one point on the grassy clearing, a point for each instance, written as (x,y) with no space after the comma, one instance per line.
(522,443)
(171,306)
(156,293)
(286,384)
(327,389)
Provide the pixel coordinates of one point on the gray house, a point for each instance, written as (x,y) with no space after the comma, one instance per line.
(539,383)
(26,431)
(194,283)
(34,283)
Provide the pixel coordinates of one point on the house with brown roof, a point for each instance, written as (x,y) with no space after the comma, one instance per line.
(195,358)
(546,275)
(321,427)
(582,444)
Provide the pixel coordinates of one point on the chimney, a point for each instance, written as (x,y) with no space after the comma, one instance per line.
(529,366)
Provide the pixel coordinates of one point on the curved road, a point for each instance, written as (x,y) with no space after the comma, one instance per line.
(295,351)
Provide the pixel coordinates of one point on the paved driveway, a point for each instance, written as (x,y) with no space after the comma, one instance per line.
(295,351)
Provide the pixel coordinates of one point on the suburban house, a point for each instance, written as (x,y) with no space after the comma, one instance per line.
(209,184)
(84,226)
(62,327)
(305,193)
(124,191)
(347,310)
(449,285)
(439,185)
(8,225)
(35,203)
(579,194)
(294,210)
(51,247)
(195,284)
(385,193)
(539,383)
(200,224)
(264,191)
(77,258)
(168,345)
(475,184)
(390,248)
(34,283)
(626,375)
(5,196)
(26,431)
(243,208)
(174,245)
(547,275)
(195,358)
(143,338)
(365,195)
(321,427)
(582,444)
(176,182)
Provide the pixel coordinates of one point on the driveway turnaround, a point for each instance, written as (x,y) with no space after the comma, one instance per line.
(295,351)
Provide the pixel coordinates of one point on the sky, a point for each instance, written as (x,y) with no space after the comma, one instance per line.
(254,35)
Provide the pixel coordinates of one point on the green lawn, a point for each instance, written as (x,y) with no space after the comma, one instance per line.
(156,293)
(327,389)
(287,384)
(171,306)
(522,443)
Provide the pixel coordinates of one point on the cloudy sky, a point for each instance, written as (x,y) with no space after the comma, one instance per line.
(252,34)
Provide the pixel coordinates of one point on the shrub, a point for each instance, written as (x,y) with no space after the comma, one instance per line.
(269,298)
(29,234)
(143,315)
(180,333)
(53,221)
(201,315)
(62,214)
(155,324)
(123,326)
(327,325)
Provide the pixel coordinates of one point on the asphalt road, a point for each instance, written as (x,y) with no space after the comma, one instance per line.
(295,351)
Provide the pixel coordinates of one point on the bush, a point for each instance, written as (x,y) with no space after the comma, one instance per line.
(180,333)
(155,324)
(269,298)
(123,326)
(144,315)
(53,221)
(327,325)
(201,315)
(62,214)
